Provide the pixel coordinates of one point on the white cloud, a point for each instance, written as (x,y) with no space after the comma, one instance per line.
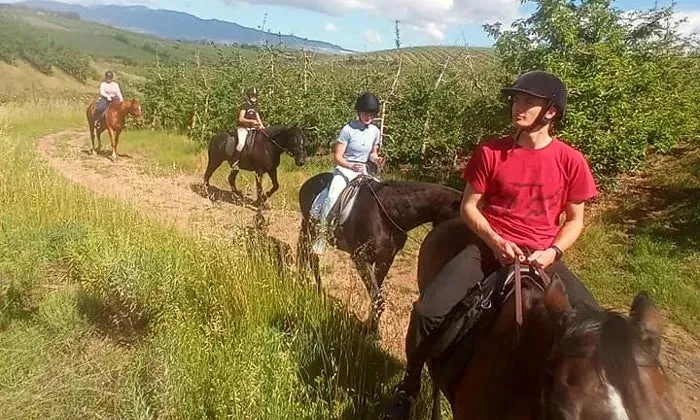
(372,37)
(431,17)
(692,23)
(329,27)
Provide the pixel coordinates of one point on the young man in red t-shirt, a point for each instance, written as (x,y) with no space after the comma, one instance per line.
(516,189)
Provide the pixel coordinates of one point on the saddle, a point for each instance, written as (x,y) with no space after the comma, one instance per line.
(343,206)
(232,141)
(473,317)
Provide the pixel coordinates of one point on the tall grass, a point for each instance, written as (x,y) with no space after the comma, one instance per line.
(104,314)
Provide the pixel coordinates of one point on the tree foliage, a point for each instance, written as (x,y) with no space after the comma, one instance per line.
(631,79)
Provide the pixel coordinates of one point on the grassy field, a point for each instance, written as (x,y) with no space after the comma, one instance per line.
(104,314)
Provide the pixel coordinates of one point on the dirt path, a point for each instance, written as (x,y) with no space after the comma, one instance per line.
(178,201)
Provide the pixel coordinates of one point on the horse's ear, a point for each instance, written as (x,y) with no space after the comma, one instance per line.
(647,317)
(556,300)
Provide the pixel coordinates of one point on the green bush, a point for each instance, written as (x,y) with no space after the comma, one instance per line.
(631,82)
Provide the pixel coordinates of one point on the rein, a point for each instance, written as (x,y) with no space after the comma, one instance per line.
(544,278)
(386,213)
(272,140)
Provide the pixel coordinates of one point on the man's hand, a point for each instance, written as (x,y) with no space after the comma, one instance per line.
(507,251)
(544,257)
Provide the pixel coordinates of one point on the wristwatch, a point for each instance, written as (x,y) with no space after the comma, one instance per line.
(558,251)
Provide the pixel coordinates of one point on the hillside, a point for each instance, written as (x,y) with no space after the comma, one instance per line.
(174,25)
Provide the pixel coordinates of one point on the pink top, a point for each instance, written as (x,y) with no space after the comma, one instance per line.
(111,91)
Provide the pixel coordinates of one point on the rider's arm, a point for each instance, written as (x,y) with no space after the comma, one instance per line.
(472,216)
(573,225)
(338,152)
(103,91)
(260,123)
(374,155)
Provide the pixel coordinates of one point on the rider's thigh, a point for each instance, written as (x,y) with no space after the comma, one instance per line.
(453,282)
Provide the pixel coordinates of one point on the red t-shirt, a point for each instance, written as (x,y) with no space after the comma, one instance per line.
(525,190)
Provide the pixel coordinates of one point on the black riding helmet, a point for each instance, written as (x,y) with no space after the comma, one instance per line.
(252,92)
(367,102)
(541,84)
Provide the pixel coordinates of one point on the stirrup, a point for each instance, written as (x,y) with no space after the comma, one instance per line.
(399,407)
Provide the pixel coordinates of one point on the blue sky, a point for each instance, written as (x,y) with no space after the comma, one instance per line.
(366,25)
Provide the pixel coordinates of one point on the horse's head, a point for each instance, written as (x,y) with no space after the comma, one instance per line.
(296,144)
(606,365)
(135,109)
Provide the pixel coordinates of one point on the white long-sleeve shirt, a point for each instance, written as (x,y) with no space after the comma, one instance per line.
(110,91)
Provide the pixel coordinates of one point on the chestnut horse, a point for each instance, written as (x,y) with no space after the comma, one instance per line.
(112,121)
(562,364)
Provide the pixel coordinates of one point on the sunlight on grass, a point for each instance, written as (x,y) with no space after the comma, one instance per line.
(105,313)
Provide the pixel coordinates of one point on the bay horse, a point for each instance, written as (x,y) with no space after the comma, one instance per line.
(264,158)
(376,229)
(563,364)
(112,121)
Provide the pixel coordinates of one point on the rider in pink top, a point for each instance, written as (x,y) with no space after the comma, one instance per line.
(109,92)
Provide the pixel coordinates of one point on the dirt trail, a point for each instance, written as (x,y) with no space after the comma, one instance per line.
(178,201)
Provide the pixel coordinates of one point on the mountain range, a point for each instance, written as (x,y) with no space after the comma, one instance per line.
(171,24)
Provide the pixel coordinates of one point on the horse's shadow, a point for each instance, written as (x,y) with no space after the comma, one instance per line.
(218,195)
(105,153)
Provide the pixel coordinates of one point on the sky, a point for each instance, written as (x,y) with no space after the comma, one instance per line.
(368,25)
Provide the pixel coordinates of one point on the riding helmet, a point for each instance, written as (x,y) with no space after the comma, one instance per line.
(109,74)
(541,84)
(252,91)
(367,102)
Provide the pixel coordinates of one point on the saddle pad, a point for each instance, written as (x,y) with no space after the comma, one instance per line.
(468,321)
(232,140)
(344,204)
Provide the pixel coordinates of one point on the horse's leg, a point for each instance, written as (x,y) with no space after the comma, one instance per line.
(235,194)
(116,142)
(381,269)
(114,145)
(259,189)
(213,164)
(99,140)
(367,273)
(91,125)
(275,184)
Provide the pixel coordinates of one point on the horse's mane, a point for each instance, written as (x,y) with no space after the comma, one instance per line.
(414,185)
(275,130)
(614,359)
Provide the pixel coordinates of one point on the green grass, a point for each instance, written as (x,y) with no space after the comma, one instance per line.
(105,314)
(650,241)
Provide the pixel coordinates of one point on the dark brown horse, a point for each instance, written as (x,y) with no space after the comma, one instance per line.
(586,364)
(264,158)
(377,227)
(113,122)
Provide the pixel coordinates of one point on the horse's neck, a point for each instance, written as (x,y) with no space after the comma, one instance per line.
(411,208)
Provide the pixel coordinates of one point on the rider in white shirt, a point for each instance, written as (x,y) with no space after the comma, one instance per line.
(109,92)
(358,143)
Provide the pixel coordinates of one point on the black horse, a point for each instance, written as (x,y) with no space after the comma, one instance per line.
(377,227)
(262,158)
